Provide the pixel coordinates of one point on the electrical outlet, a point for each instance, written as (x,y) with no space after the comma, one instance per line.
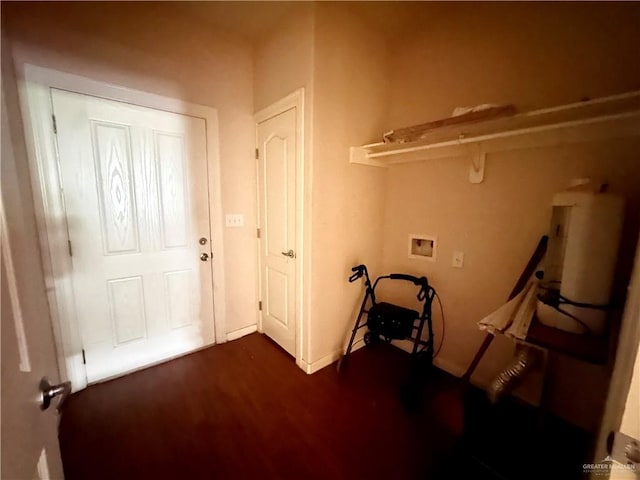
(457,260)
(234,220)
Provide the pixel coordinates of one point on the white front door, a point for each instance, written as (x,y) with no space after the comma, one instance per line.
(277,150)
(135,189)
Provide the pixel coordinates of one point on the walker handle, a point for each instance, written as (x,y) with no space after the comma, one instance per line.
(422,281)
(359,272)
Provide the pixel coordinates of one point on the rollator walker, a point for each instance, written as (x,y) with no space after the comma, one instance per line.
(386,321)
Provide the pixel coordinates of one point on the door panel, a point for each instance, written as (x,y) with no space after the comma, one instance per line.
(277,290)
(136,197)
(126,298)
(178,287)
(275,168)
(115,188)
(173,204)
(277,189)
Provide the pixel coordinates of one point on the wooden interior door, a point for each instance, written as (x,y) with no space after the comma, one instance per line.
(136,198)
(29,440)
(621,418)
(276,138)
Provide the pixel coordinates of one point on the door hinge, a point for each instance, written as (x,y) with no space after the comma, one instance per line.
(257,154)
(260,305)
(55,125)
(70,249)
(84,357)
(258,233)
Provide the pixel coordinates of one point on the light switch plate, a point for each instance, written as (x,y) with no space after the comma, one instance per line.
(234,220)
(457,260)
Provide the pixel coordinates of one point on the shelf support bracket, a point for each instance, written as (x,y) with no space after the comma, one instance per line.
(361,155)
(476,169)
(357,155)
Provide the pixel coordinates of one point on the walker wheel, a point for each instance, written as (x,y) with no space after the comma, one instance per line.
(371,338)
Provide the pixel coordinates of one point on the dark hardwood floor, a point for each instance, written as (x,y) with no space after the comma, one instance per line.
(245,410)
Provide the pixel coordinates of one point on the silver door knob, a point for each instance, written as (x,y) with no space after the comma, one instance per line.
(204,257)
(624,449)
(632,451)
(48,392)
(290,254)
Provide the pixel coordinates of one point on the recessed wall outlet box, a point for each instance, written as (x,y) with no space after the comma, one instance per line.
(234,220)
(422,246)
(457,260)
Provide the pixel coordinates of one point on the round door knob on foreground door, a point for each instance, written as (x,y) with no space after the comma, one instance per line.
(204,257)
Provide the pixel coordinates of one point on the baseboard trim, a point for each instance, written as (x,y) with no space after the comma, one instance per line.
(448,366)
(241,332)
(443,364)
(323,362)
(457,370)
(319,364)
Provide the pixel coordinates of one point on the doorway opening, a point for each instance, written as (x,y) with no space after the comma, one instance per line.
(127,197)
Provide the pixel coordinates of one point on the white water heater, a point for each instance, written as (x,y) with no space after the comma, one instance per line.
(579,266)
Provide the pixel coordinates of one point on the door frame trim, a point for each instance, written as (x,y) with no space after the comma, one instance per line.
(34,84)
(293,100)
(622,369)
(6,253)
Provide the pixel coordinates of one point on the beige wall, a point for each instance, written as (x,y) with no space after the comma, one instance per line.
(154,48)
(283,58)
(532,56)
(351,92)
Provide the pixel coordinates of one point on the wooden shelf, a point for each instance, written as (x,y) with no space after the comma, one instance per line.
(592,349)
(616,116)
